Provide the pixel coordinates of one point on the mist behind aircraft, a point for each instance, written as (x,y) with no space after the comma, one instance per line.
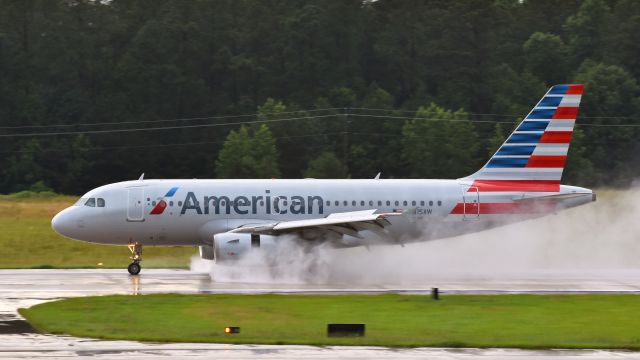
(603,236)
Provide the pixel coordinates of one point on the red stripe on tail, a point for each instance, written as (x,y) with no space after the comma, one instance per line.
(565,113)
(539,161)
(575,89)
(556,137)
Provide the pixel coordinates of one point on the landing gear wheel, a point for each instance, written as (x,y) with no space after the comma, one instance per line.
(136,252)
(134,268)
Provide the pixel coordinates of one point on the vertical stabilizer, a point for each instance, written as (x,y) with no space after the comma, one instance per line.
(534,155)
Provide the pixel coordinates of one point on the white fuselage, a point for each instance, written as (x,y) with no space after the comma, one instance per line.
(190,212)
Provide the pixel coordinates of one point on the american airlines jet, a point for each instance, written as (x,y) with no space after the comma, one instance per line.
(227,219)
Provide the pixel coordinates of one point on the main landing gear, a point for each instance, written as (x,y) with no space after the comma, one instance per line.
(136,257)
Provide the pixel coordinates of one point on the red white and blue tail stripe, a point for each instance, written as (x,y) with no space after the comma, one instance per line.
(534,155)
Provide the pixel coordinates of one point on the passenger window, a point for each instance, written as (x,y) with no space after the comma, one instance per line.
(345,203)
(388,203)
(397,202)
(91,202)
(379,202)
(353,203)
(361,203)
(261,203)
(439,203)
(337,203)
(170,203)
(100,202)
(370,202)
(179,203)
(404,203)
(413,203)
(421,202)
(153,203)
(430,202)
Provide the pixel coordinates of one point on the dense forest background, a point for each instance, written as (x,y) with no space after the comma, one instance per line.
(95,92)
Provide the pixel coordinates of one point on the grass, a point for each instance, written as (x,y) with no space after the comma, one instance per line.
(513,321)
(27,240)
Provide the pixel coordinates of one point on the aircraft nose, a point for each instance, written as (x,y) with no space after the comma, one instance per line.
(61,223)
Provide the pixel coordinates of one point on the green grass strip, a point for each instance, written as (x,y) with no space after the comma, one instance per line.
(511,321)
(27,240)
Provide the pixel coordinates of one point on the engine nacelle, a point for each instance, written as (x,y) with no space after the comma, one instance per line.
(233,246)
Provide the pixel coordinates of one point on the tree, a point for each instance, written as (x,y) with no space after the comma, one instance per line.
(301,136)
(579,169)
(248,156)
(24,168)
(610,91)
(588,29)
(496,140)
(546,57)
(440,143)
(377,98)
(326,166)
(79,162)
(124,63)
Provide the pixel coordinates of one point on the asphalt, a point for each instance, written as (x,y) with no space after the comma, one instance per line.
(24,288)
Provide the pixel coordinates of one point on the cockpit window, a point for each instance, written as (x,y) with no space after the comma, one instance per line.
(81,202)
(100,202)
(91,202)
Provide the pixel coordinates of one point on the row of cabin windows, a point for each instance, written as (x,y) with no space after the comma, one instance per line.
(387,202)
(337,203)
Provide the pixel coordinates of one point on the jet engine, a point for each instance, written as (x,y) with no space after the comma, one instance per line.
(229,247)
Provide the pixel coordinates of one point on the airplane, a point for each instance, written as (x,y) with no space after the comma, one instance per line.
(228,219)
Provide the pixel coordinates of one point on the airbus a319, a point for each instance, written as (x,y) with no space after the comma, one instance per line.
(227,219)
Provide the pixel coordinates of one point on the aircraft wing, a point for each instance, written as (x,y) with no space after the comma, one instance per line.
(346,223)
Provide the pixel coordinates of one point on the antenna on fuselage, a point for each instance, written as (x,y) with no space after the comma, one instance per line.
(141,177)
(377,176)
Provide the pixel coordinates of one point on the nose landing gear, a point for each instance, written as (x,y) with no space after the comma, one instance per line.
(136,256)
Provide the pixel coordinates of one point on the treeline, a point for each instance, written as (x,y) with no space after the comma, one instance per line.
(93,92)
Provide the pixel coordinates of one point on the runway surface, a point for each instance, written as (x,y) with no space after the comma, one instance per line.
(24,288)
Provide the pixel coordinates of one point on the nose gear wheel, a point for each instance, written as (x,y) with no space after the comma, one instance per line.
(136,256)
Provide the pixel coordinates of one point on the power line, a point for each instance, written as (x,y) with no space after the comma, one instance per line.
(495,114)
(170,145)
(480,121)
(161,128)
(345,111)
(176,127)
(163,120)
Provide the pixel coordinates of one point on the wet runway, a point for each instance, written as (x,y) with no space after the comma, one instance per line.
(24,288)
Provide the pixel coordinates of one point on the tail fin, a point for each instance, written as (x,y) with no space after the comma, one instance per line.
(534,155)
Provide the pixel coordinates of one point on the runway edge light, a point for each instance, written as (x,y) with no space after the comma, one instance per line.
(232,330)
